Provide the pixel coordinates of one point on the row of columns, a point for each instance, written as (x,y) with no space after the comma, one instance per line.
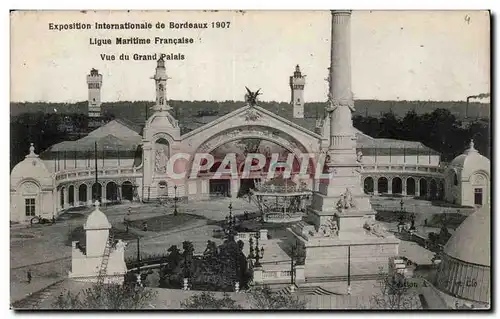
(404,185)
(89,195)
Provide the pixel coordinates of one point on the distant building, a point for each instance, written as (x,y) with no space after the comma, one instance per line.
(94,83)
(468,179)
(297,84)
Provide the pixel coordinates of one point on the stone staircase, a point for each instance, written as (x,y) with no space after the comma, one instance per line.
(307,290)
(361,277)
(35,299)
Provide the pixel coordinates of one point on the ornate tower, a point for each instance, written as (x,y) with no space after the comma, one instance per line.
(161,141)
(297,83)
(94,82)
(161,78)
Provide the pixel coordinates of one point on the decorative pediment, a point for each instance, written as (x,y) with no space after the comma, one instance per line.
(29,188)
(252,115)
(252,132)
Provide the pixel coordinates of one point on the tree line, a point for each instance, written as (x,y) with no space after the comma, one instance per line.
(439,130)
(136,111)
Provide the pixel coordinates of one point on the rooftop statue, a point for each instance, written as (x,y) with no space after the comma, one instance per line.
(251,97)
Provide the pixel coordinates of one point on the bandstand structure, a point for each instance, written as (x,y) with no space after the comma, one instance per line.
(281,200)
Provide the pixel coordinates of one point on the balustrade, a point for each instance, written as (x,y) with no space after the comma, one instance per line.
(88,172)
(403,168)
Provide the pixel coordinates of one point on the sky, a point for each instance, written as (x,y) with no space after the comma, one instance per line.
(395,55)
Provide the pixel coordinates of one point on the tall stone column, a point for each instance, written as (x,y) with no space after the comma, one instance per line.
(66,197)
(103,193)
(147,167)
(340,95)
(89,195)
(75,196)
(343,169)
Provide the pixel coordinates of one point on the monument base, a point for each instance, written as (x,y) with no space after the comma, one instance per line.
(371,246)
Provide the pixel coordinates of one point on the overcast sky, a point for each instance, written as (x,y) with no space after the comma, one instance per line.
(420,55)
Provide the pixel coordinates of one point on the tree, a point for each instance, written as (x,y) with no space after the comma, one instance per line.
(106,296)
(265,298)
(394,294)
(206,300)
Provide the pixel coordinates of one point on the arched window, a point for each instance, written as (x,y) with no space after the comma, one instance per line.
(455,179)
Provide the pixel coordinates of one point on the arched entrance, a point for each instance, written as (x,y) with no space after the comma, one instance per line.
(127,191)
(111,192)
(219,186)
(434,189)
(441,190)
(410,186)
(61,197)
(71,195)
(368,185)
(238,142)
(96,192)
(82,194)
(397,185)
(383,185)
(423,187)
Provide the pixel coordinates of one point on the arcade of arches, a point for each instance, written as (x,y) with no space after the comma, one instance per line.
(408,186)
(83,194)
(220,186)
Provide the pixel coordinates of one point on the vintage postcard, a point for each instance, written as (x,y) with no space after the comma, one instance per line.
(334,159)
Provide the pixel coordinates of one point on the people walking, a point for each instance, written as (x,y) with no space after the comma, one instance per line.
(28,274)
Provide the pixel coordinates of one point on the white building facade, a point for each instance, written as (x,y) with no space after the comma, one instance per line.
(119,161)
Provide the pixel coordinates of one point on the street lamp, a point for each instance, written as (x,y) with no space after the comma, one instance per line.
(230,230)
(256,253)
(349,269)
(294,257)
(175,201)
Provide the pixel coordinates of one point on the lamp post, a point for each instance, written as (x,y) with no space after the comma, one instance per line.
(138,255)
(229,230)
(349,269)
(294,257)
(175,201)
(256,253)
